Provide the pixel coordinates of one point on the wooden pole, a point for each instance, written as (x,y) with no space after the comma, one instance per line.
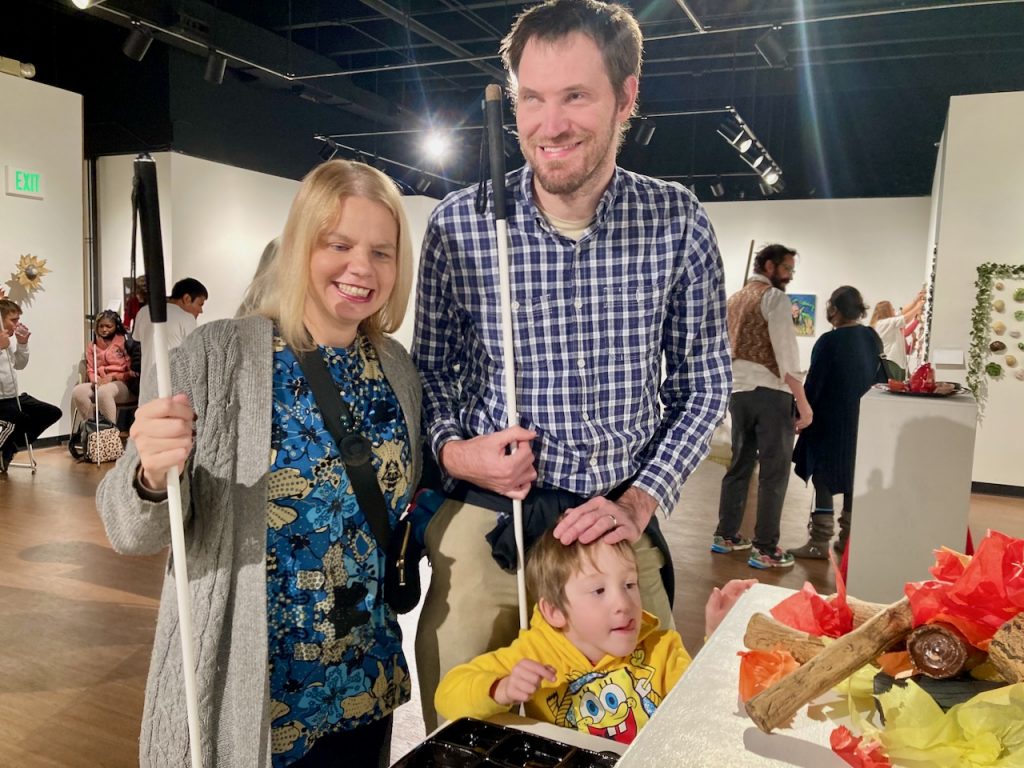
(1006,651)
(750,258)
(765,634)
(776,706)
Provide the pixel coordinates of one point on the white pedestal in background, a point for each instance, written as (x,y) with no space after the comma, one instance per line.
(911,489)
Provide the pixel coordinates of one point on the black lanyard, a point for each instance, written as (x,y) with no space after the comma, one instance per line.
(356,451)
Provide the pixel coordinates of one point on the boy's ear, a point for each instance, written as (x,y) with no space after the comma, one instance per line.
(552,614)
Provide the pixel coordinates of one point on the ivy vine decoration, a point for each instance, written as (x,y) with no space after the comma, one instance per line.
(981,317)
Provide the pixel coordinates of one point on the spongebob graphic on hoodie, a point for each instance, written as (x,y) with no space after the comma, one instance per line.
(613,698)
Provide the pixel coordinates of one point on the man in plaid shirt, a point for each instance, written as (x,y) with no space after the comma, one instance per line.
(617,299)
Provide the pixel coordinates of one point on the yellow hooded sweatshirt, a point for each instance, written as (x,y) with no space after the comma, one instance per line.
(613,698)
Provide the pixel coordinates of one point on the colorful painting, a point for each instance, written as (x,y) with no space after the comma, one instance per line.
(803,313)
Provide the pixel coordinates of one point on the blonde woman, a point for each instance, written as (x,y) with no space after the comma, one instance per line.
(893,326)
(299,658)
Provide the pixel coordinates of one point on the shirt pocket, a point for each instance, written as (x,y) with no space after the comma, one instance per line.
(632,312)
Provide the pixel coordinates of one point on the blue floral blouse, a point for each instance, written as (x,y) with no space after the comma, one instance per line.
(335,647)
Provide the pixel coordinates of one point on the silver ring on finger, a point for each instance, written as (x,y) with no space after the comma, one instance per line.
(615,523)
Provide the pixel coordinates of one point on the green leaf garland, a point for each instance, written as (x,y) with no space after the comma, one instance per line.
(981,318)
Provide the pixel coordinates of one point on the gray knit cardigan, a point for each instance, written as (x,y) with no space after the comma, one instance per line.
(225,368)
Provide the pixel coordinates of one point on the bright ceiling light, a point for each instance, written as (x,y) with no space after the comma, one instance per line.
(736,135)
(771,176)
(435,145)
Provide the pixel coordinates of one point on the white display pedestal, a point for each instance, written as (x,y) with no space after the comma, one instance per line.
(911,488)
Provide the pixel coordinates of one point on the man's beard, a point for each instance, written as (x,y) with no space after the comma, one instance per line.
(779,283)
(596,148)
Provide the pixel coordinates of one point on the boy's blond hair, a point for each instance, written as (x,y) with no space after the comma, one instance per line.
(550,563)
(8,307)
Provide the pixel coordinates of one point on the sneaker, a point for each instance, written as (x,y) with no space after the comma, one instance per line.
(774,559)
(725,544)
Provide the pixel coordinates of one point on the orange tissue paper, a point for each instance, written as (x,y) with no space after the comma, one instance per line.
(762,669)
(810,612)
(856,751)
(978,594)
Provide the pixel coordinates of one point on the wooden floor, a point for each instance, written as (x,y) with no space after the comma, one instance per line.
(77,620)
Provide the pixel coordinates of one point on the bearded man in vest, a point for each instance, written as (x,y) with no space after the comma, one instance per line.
(768,406)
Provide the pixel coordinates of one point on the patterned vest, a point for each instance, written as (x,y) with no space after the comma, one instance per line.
(748,330)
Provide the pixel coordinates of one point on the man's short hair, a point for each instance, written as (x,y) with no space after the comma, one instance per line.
(611,26)
(189,287)
(8,307)
(550,563)
(776,253)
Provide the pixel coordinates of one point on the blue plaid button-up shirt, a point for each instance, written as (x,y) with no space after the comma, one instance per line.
(593,322)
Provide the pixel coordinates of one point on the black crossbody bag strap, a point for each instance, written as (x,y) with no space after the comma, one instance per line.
(354,448)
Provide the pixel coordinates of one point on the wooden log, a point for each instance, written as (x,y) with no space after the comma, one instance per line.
(1006,651)
(941,651)
(776,706)
(863,610)
(765,634)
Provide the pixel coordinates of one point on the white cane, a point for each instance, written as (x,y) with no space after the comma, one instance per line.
(496,147)
(152,249)
(96,398)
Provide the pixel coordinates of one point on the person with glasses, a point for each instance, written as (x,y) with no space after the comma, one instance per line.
(766,388)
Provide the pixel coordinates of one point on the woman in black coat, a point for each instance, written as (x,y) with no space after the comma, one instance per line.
(844,365)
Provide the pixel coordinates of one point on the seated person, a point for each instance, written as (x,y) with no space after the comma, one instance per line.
(28,418)
(592,660)
(111,378)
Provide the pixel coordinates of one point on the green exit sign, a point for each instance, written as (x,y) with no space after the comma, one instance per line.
(24,183)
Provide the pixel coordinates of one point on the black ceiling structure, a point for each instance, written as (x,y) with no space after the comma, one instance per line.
(849,97)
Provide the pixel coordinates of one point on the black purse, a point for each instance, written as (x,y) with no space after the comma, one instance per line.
(890,370)
(401,565)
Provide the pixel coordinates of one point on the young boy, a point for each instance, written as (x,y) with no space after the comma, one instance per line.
(592,660)
(22,417)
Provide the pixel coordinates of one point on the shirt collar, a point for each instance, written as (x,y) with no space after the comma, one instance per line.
(605,205)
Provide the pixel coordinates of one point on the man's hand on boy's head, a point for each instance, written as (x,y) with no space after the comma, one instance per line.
(721,600)
(522,682)
(612,521)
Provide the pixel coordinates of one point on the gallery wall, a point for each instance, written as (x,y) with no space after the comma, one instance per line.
(878,245)
(980,220)
(41,132)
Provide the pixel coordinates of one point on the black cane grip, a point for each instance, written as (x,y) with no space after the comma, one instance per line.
(496,146)
(152,242)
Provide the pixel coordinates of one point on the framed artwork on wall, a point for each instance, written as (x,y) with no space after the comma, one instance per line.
(803,312)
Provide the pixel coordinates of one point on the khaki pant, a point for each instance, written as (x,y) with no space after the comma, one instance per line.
(472,607)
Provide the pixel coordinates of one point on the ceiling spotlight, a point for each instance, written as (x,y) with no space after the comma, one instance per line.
(736,135)
(765,189)
(137,42)
(717,188)
(754,159)
(435,145)
(771,176)
(644,131)
(216,63)
(422,185)
(328,150)
(83,4)
(771,47)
